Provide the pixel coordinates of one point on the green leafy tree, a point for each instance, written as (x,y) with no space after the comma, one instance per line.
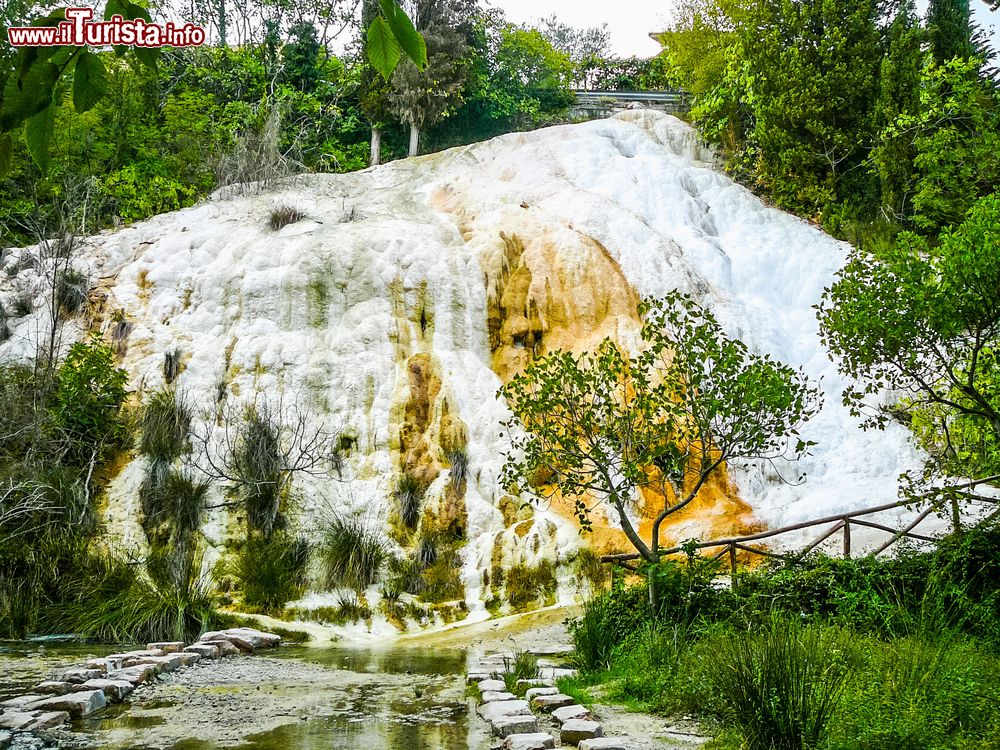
(421,98)
(301,57)
(949,29)
(923,323)
(601,427)
(899,97)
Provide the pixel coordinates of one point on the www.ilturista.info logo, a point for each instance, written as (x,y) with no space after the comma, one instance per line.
(79,30)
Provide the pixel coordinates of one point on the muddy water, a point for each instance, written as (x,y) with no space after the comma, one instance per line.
(295,697)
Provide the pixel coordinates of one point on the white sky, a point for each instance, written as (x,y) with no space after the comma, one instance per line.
(631,21)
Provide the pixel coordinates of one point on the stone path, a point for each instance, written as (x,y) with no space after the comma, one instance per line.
(544,717)
(82,691)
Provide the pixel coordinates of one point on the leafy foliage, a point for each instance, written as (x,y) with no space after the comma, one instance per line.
(607,425)
(937,348)
(352,555)
(270,572)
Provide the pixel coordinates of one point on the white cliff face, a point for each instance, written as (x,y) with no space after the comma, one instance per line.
(393,281)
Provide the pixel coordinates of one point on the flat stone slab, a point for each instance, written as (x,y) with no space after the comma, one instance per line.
(77,705)
(508,725)
(48,720)
(226,648)
(568,713)
(132,654)
(474,678)
(493,711)
(18,702)
(55,687)
(114,690)
(168,663)
(491,696)
(169,647)
(11,719)
(80,675)
(245,639)
(576,730)
(136,675)
(187,658)
(604,743)
(554,673)
(551,702)
(204,650)
(532,692)
(530,741)
(557,649)
(492,686)
(535,682)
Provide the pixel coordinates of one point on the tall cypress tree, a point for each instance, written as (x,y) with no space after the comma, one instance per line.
(949,28)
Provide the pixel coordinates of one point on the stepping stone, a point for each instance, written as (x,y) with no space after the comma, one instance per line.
(560,649)
(105,664)
(474,678)
(114,690)
(187,658)
(604,743)
(226,648)
(508,725)
(551,702)
(55,687)
(576,730)
(554,673)
(19,702)
(568,713)
(532,692)
(530,741)
(493,711)
(170,647)
(5,739)
(17,719)
(168,663)
(136,675)
(487,686)
(204,650)
(536,682)
(78,676)
(48,720)
(77,705)
(491,696)
(133,654)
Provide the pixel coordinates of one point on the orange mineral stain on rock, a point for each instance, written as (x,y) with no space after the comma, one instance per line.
(555,288)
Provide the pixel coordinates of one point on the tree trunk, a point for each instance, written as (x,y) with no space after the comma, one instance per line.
(376,154)
(654,595)
(414,140)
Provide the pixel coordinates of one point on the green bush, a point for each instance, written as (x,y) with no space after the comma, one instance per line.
(173,503)
(270,572)
(258,465)
(351,554)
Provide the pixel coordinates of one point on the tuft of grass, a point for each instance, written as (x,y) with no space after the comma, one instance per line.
(425,553)
(519,665)
(406,574)
(71,290)
(270,572)
(352,555)
(443,578)
(175,499)
(283,215)
(593,642)
(258,463)
(524,586)
(164,426)
(409,497)
(22,306)
(781,686)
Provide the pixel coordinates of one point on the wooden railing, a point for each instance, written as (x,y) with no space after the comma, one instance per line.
(841,523)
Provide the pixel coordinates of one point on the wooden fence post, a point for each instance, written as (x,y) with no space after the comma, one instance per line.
(847,539)
(732,564)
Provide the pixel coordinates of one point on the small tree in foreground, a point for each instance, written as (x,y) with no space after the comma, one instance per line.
(605,428)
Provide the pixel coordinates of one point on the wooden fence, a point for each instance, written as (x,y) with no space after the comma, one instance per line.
(840,523)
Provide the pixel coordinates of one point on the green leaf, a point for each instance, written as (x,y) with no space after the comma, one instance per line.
(114,8)
(147,56)
(383,49)
(38,133)
(28,95)
(6,153)
(89,81)
(407,36)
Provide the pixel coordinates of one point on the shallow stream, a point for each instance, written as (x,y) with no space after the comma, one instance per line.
(294,697)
